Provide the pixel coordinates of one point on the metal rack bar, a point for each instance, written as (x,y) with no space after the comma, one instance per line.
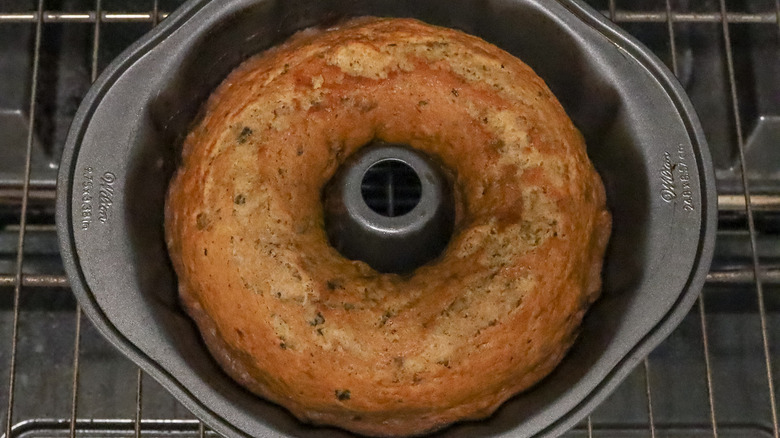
(695,17)
(75,382)
(35,280)
(138,395)
(156,13)
(590,427)
(757,202)
(46,228)
(744,276)
(83,17)
(749,213)
(768,275)
(77,335)
(11,194)
(707,365)
(670,30)
(777,14)
(96,41)
(615,15)
(650,416)
(23,221)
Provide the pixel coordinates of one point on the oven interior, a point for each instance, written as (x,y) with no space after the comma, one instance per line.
(714,376)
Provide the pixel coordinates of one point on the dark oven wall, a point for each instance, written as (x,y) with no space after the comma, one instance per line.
(714,376)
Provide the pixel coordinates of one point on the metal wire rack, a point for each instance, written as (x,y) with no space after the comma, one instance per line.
(715,376)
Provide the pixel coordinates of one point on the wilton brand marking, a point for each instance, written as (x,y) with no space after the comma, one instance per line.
(668,192)
(105,196)
(86,197)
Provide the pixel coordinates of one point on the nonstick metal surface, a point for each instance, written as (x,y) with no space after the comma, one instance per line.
(642,136)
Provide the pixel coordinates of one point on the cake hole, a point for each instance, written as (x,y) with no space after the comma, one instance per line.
(391,188)
(389,206)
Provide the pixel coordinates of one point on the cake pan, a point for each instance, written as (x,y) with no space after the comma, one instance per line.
(642,134)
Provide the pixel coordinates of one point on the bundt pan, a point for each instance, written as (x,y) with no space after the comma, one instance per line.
(641,131)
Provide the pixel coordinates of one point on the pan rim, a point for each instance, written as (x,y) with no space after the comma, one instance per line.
(592,18)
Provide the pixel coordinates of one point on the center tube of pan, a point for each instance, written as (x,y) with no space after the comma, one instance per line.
(390,206)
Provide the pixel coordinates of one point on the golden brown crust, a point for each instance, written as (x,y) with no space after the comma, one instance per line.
(330,339)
